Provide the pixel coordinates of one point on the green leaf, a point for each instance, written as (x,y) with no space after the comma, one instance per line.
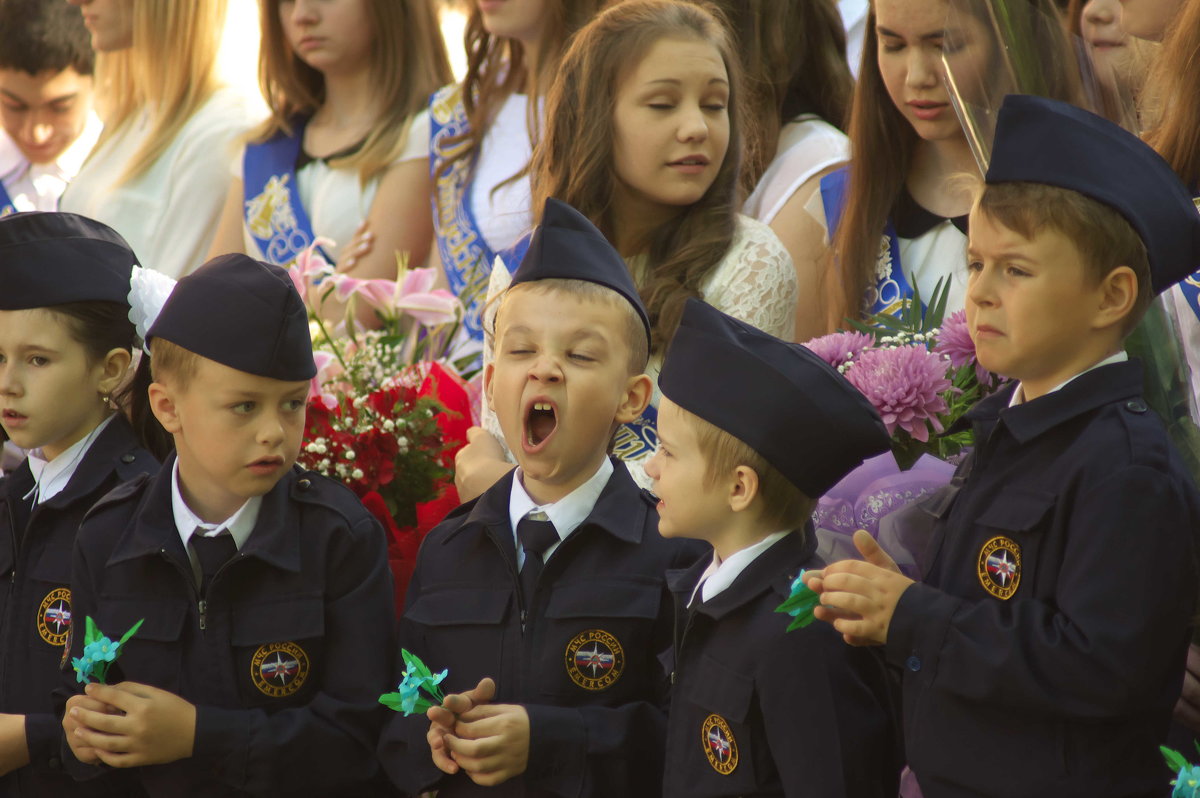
(1175,760)
(91,633)
(132,631)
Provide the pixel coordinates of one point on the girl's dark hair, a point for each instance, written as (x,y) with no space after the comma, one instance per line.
(101,327)
(793,55)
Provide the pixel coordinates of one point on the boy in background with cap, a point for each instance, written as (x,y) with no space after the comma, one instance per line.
(1044,650)
(552,582)
(263,590)
(755,709)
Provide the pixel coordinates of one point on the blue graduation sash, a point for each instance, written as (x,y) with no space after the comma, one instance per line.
(272,211)
(466,258)
(6,204)
(891,292)
(639,438)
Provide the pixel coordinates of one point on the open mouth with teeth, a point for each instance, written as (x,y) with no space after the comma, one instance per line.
(541,420)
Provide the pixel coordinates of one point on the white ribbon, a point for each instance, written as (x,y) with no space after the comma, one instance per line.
(148,292)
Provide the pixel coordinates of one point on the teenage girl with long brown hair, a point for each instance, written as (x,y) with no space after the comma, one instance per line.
(643,136)
(482,134)
(346,83)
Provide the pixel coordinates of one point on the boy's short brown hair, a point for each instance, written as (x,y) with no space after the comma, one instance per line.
(1103,237)
(171,362)
(634,331)
(785,506)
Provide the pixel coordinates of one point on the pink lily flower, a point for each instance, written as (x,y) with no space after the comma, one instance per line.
(324,362)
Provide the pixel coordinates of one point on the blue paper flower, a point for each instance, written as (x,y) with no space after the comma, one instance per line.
(799,604)
(102,650)
(416,678)
(83,668)
(1187,782)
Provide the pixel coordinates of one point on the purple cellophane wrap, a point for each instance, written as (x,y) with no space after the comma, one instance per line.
(865,499)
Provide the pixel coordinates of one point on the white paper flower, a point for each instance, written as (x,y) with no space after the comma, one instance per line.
(148,292)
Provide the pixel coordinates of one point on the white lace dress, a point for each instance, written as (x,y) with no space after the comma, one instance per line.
(754,282)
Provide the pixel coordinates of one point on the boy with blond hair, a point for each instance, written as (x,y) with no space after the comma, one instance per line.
(263,590)
(546,597)
(1044,649)
(756,709)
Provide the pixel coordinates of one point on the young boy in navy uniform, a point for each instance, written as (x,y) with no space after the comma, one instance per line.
(755,709)
(264,590)
(552,583)
(1045,647)
(63,324)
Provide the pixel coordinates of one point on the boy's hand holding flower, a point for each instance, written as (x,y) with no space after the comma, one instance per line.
(858,597)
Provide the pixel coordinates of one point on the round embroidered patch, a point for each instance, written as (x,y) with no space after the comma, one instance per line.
(999,567)
(54,616)
(279,669)
(595,660)
(719,745)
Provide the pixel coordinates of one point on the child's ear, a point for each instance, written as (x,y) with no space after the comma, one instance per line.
(1118,295)
(489,373)
(744,488)
(638,391)
(113,369)
(162,404)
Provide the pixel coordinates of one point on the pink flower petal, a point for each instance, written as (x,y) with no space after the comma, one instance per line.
(418,281)
(432,308)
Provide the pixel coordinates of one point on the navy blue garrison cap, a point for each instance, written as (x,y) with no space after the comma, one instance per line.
(1046,141)
(567,246)
(242,313)
(54,258)
(778,398)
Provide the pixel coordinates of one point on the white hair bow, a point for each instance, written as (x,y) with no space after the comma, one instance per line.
(148,292)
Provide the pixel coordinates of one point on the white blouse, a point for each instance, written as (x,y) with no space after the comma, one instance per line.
(503,214)
(336,200)
(169,213)
(754,282)
(807,146)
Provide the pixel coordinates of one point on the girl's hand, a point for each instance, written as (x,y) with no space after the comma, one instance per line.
(155,726)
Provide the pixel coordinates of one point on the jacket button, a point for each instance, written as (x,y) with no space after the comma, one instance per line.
(913,663)
(304,484)
(1136,406)
(128,458)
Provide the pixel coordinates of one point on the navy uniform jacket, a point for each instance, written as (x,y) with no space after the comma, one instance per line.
(35,600)
(585,665)
(760,711)
(284,658)
(1044,652)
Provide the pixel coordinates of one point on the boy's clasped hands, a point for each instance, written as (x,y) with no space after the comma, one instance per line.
(858,597)
(489,742)
(129,725)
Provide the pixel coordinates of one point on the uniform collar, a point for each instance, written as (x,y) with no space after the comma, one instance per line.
(50,477)
(187,523)
(14,165)
(720,574)
(1083,394)
(910,220)
(568,512)
(620,510)
(1018,395)
(275,538)
(773,571)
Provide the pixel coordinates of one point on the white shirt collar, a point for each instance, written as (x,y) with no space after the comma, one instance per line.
(1018,396)
(50,477)
(240,524)
(720,574)
(566,514)
(14,165)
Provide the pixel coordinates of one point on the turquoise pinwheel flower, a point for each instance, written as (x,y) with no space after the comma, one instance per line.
(799,604)
(415,680)
(102,650)
(1187,775)
(83,668)
(99,652)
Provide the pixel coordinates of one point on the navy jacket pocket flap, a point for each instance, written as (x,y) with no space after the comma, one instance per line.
(720,689)
(601,599)
(1017,509)
(162,619)
(296,618)
(462,606)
